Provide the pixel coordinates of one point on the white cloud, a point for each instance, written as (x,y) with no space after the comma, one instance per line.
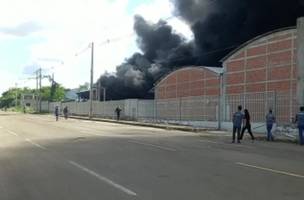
(22,29)
(68,26)
(164,9)
(8,80)
(155,10)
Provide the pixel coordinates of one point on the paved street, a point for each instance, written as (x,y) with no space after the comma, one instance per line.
(42,159)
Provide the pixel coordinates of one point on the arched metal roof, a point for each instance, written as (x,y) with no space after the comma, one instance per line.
(255,39)
(216,70)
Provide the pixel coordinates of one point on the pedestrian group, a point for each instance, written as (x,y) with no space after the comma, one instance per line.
(65,112)
(241,123)
(240,120)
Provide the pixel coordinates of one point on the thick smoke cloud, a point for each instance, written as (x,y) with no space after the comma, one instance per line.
(160,47)
(219,26)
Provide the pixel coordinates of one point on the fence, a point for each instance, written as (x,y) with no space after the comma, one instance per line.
(284,105)
(207,111)
(202,108)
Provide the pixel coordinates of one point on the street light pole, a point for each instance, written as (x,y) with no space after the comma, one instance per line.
(37,81)
(16,86)
(103,89)
(91,82)
(104,94)
(221,100)
(40,77)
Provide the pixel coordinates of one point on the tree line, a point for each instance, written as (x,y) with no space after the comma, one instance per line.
(12,97)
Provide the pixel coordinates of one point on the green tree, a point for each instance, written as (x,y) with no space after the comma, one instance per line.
(8,98)
(53,93)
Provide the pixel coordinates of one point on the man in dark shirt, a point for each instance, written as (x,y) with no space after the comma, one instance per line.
(117,111)
(300,123)
(65,112)
(237,124)
(56,113)
(246,125)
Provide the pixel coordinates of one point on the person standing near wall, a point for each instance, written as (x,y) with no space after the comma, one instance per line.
(65,112)
(246,125)
(117,111)
(300,122)
(56,113)
(237,124)
(270,120)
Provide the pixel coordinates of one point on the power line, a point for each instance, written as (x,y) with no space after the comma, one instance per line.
(184,58)
(51,60)
(117,39)
(83,50)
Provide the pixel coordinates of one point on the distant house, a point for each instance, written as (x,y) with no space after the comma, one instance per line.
(71,95)
(83,95)
(99,94)
(28,100)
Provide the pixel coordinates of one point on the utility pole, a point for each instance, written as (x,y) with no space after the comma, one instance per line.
(98,93)
(91,82)
(40,77)
(103,90)
(36,93)
(16,86)
(38,89)
(221,101)
(104,94)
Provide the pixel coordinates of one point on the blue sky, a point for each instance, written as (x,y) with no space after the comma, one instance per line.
(44,34)
(15,52)
(133,4)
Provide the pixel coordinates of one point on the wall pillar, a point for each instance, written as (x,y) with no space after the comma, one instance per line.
(221,101)
(300,61)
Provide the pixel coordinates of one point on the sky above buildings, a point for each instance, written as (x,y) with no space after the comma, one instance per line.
(55,35)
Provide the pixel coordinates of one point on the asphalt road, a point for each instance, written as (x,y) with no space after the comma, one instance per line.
(42,159)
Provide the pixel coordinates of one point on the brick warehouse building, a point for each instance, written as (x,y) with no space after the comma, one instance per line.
(265,72)
(186,94)
(189,81)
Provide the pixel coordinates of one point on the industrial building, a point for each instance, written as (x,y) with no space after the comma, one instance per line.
(189,81)
(265,72)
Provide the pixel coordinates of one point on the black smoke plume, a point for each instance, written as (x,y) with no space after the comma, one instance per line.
(218,26)
(221,25)
(160,47)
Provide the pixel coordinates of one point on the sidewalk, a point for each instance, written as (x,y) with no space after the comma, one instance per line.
(145,124)
(203,132)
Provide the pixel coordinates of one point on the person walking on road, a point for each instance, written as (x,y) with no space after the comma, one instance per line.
(270,120)
(300,123)
(246,125)
(237,124)
(65,112)
(56,113)
(117,111)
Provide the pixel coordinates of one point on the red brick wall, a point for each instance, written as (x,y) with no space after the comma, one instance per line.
(190,81)
(267,64)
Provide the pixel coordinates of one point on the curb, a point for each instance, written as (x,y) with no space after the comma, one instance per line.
(142,124)
(259,137)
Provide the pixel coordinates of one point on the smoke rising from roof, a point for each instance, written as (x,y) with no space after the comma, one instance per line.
(218,26)
(160,45)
